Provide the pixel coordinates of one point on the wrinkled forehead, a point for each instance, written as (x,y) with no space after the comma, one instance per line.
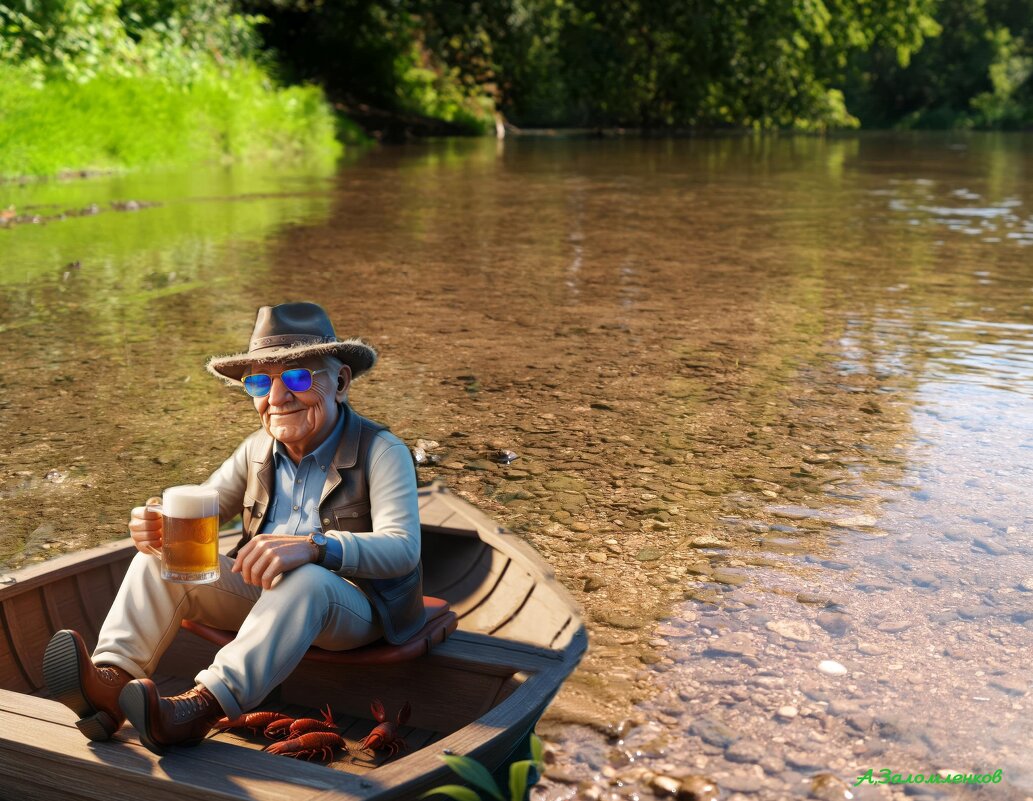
(275,368)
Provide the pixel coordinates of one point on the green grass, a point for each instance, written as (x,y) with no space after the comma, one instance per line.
(114,122)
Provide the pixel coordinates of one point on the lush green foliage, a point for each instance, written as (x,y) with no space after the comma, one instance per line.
(976,73)
(106,84)
(471,771)
(113,121)
(801,64)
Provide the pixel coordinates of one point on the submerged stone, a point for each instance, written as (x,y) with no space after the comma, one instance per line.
(829,787)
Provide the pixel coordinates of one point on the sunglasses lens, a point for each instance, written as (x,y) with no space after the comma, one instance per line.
(257,385)
(298,380)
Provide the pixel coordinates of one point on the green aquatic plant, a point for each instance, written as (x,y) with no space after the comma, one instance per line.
(473,772)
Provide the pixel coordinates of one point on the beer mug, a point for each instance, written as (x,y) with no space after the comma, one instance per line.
(190,534)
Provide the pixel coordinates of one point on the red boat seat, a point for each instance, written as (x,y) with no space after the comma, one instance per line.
(440,623)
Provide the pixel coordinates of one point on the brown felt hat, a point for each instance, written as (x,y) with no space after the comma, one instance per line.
(293,331)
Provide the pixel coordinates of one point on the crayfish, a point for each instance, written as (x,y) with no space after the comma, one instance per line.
(252,720)
(289,727)
(306,746)
(386,734)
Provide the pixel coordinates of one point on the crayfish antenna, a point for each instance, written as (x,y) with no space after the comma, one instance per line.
(403,714)
(377,708)
(328,717)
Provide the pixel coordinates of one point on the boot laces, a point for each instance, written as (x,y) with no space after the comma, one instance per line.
(111,675)
(191,704)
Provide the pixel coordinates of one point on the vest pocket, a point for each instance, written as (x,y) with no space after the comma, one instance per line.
(353,517)
(253,515)
(392,589)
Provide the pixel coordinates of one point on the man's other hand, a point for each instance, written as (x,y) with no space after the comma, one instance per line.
(266,556)
(145,527)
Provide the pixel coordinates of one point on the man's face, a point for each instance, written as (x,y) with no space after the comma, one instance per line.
(298,419)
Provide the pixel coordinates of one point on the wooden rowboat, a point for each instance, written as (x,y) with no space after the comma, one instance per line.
(479,693)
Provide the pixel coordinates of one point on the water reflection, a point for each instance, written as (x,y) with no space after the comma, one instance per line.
(769,392)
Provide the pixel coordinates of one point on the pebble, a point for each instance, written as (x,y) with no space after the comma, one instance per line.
(738,643)
(708,541)
(815,599)
(1008,685)
(713,732)
(894,626)
(802,760)
(832,668)
(829,787)
(796,630)
(743,783)
(788,712)
(732,577)
(989,546)
(859,521)
(620,620)
(664,786)
(1026,585)
(745,751)
(597,556)
(695,787)
(835,623)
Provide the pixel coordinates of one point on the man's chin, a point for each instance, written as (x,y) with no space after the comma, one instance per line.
(285,434)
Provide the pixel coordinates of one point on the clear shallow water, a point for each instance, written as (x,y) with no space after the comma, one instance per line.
(771,400)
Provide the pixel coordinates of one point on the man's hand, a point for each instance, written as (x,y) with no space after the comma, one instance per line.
(145,528)
(266,556)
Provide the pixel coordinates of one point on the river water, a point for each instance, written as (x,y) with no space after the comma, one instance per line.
(770,398)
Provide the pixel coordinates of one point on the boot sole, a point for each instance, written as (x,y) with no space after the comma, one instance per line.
(134,703)
(64,683)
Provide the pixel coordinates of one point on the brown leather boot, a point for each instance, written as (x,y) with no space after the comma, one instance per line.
(91,691)
(179,720)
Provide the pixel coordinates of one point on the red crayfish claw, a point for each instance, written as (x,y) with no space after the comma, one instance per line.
(385,735)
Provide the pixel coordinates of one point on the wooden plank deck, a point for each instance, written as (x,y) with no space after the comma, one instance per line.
(353,729)
(43,753)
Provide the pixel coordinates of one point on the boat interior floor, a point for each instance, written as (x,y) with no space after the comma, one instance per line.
(352,729)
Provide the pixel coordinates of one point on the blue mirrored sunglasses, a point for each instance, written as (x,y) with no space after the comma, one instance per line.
(297,379)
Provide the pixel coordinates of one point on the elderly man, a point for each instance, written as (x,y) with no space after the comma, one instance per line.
(330,552)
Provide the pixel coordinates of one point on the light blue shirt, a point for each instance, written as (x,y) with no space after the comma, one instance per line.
(296,491)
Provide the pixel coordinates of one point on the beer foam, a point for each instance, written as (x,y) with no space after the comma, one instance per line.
(190,502)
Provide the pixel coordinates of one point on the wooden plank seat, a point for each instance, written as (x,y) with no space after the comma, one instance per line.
(441,622)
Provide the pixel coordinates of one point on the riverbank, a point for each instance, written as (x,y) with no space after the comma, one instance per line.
(115,123)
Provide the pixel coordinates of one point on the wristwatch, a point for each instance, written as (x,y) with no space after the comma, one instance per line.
(319,540)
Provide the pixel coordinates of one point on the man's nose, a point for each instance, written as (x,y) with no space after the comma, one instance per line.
(278,392)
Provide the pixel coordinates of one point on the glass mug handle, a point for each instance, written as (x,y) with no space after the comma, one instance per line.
(154,507)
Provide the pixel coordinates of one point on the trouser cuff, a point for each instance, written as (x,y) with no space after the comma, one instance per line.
(119,661)
(217,687)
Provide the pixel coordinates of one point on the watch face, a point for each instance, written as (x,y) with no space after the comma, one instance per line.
(319,539)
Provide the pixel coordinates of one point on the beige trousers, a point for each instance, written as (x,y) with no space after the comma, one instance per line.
(309,605)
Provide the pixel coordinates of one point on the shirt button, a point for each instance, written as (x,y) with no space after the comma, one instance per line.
(298,481)
(326,521)
(322,467)
(295,508)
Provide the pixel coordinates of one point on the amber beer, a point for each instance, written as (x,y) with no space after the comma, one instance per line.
(190,534)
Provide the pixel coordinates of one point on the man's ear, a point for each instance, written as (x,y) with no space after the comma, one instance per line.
(344,379)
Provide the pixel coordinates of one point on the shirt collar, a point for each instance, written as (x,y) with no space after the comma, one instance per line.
(324,454)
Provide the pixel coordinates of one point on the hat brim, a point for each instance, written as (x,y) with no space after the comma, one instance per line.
(359,356)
